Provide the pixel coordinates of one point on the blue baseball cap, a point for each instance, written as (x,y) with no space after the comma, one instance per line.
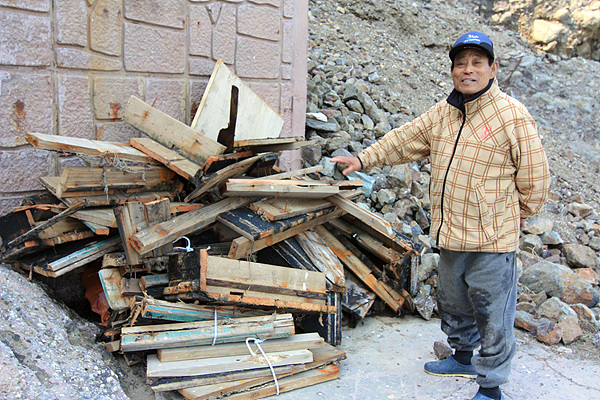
(473,40)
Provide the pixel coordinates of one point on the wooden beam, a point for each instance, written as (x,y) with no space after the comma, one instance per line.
(170,158)
(169,132)
(278,147)
(157,369)
(242,247)
(295,342)
(386,293)
(279,188)
(106,150)
(166,232)
(373,220)
(110,279)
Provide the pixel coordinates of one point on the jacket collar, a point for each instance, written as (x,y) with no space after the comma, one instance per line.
(456,98)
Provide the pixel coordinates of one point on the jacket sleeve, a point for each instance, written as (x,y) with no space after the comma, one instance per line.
(532,176)
(408,143)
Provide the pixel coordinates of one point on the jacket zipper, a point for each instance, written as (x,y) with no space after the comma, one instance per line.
(437,240)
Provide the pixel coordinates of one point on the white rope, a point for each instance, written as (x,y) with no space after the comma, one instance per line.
(188,248)
(215,335)
(257,342)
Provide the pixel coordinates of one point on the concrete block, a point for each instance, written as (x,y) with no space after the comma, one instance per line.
(154,49)
(33,5)
(22,168)
(24,39)
(25,106)
(224,33)
(75,116)
(257,58)
(201,66)
(71,22)
(275,3)
(82,59)
(169,13)
(106,22)
(269,92)
(200,31)
(289,8)
(287,51)
(168,96)
(111,95)
(118,132)
(70,161)
(197,88)
(262,22)
(8,203)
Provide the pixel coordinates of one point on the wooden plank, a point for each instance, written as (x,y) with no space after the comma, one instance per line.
(242,247)
(157,369)
(170,158)
(67,225)
(321,356)
(277,147)
(329,325)
(267,141)
(84,256)
(279,188)
(110,279)
(97,229)
(373,220)
(399,242)
(184,312)
(125,216)
(166,232)
(215,163)
(322,257)
(358,299)
(156,212)
(300,380)
(219,177)
(295,342)
(100,216)
(253,118)
(106,150)
(386,293)
(293,254)
(186,334)
(276,209)
(86,179)
(169,132)
(294,173)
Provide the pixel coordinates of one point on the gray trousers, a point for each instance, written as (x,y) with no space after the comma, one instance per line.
(477,298)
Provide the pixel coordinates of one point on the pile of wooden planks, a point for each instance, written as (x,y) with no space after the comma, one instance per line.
(201,244)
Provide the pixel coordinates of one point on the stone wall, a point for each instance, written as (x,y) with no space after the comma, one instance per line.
(68,67)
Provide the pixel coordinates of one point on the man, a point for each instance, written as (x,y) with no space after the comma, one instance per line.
(488,173)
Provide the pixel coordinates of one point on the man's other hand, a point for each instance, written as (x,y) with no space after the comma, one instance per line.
(352,163)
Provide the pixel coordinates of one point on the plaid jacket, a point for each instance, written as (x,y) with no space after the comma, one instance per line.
(488,169)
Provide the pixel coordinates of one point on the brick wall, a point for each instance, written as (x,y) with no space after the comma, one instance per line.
(68,67)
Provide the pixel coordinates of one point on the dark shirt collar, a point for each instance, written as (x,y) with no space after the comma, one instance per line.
(456,98)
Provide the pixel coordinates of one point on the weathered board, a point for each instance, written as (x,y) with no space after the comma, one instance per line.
(110,279)
(323,258)
(169,132)
(280,188)
(250,116)
(107,150)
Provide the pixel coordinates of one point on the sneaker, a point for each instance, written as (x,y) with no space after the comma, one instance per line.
(451,367)
(480,396)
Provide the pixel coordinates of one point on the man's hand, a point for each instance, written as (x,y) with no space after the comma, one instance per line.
(352,163)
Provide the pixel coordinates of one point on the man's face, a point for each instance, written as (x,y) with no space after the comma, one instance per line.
(472,71)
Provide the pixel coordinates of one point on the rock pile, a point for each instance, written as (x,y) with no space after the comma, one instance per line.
(350,102)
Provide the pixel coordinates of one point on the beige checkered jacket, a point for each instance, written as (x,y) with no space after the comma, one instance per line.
(485,174)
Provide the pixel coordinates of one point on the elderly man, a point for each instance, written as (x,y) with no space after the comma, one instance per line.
(488,173)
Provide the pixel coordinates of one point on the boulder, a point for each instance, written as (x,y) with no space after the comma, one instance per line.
(537,226)
(551,238)
(554,309)
(531,243)
(400,176)
(587,318)
(580,256)
(569,326)
(429,262)
(559,281)
(548,332)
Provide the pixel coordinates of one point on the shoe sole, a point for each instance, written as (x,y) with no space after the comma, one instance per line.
(468,376)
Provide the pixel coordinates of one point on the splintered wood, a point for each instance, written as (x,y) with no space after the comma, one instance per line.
(196,247)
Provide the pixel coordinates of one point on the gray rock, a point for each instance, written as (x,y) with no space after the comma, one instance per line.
(330,126)
(425,304)
(537,226)
(570,329)
(551,238)
(371,109)
(442,349)
(312,155)
(531,243)
(386,196)
(554,309)
(381,129)
(580,256)
(429,262)
(579,209)
(355,106)
(368,181)
(328,167)
(367,122)
(587,319)
(400,176)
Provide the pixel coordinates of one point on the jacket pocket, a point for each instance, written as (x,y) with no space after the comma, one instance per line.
(484,213)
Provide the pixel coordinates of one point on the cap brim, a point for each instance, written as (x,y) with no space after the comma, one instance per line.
(454,52)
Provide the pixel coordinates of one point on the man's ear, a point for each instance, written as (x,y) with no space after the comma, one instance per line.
(495,67)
